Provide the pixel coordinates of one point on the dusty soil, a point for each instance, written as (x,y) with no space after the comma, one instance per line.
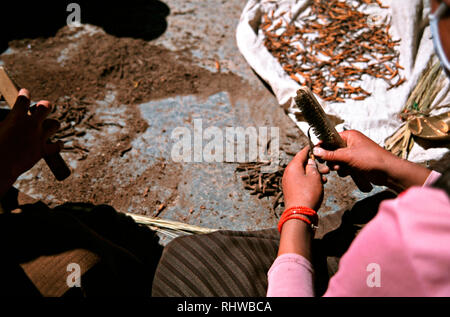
(75,76)
(139,70)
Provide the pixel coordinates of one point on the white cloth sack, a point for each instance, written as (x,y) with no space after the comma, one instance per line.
(377,115)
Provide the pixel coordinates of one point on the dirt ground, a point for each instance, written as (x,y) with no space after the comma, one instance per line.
(73,78)
(121,88)
(99,75)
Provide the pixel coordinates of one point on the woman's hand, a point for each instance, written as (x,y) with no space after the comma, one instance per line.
(24,138)
(302,186)
(378,165)
(302,182)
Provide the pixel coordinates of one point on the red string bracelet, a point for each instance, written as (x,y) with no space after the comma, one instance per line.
(302,211)
(305,214)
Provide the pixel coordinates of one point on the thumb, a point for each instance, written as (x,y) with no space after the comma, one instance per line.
(338,155)
(311,168)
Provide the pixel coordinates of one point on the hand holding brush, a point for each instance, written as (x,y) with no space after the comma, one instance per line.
(376,164)
(325,131)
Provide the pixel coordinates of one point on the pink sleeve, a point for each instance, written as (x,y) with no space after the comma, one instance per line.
(433,177)
(291,275)
(403,251)
(378,246)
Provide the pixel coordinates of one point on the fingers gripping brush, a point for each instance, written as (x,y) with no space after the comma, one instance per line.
(331,140)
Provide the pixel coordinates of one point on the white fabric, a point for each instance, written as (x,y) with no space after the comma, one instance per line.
(377,115)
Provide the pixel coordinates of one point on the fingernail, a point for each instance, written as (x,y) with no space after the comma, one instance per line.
(24,92)
(311,162)
(44,103)
(318,151)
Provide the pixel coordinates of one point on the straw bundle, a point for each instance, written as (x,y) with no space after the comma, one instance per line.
(419,104)
(170,228)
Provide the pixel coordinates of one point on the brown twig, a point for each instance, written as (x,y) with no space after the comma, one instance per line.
(262,184)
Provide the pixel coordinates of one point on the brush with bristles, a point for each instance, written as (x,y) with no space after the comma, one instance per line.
(315,116)
(313,113)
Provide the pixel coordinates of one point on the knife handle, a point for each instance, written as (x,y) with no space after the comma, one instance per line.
(58,166)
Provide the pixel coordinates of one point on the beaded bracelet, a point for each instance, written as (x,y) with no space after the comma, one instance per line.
(305,214)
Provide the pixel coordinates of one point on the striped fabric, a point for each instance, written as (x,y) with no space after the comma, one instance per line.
(220,264)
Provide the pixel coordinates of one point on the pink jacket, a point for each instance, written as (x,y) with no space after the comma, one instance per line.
(403,251)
